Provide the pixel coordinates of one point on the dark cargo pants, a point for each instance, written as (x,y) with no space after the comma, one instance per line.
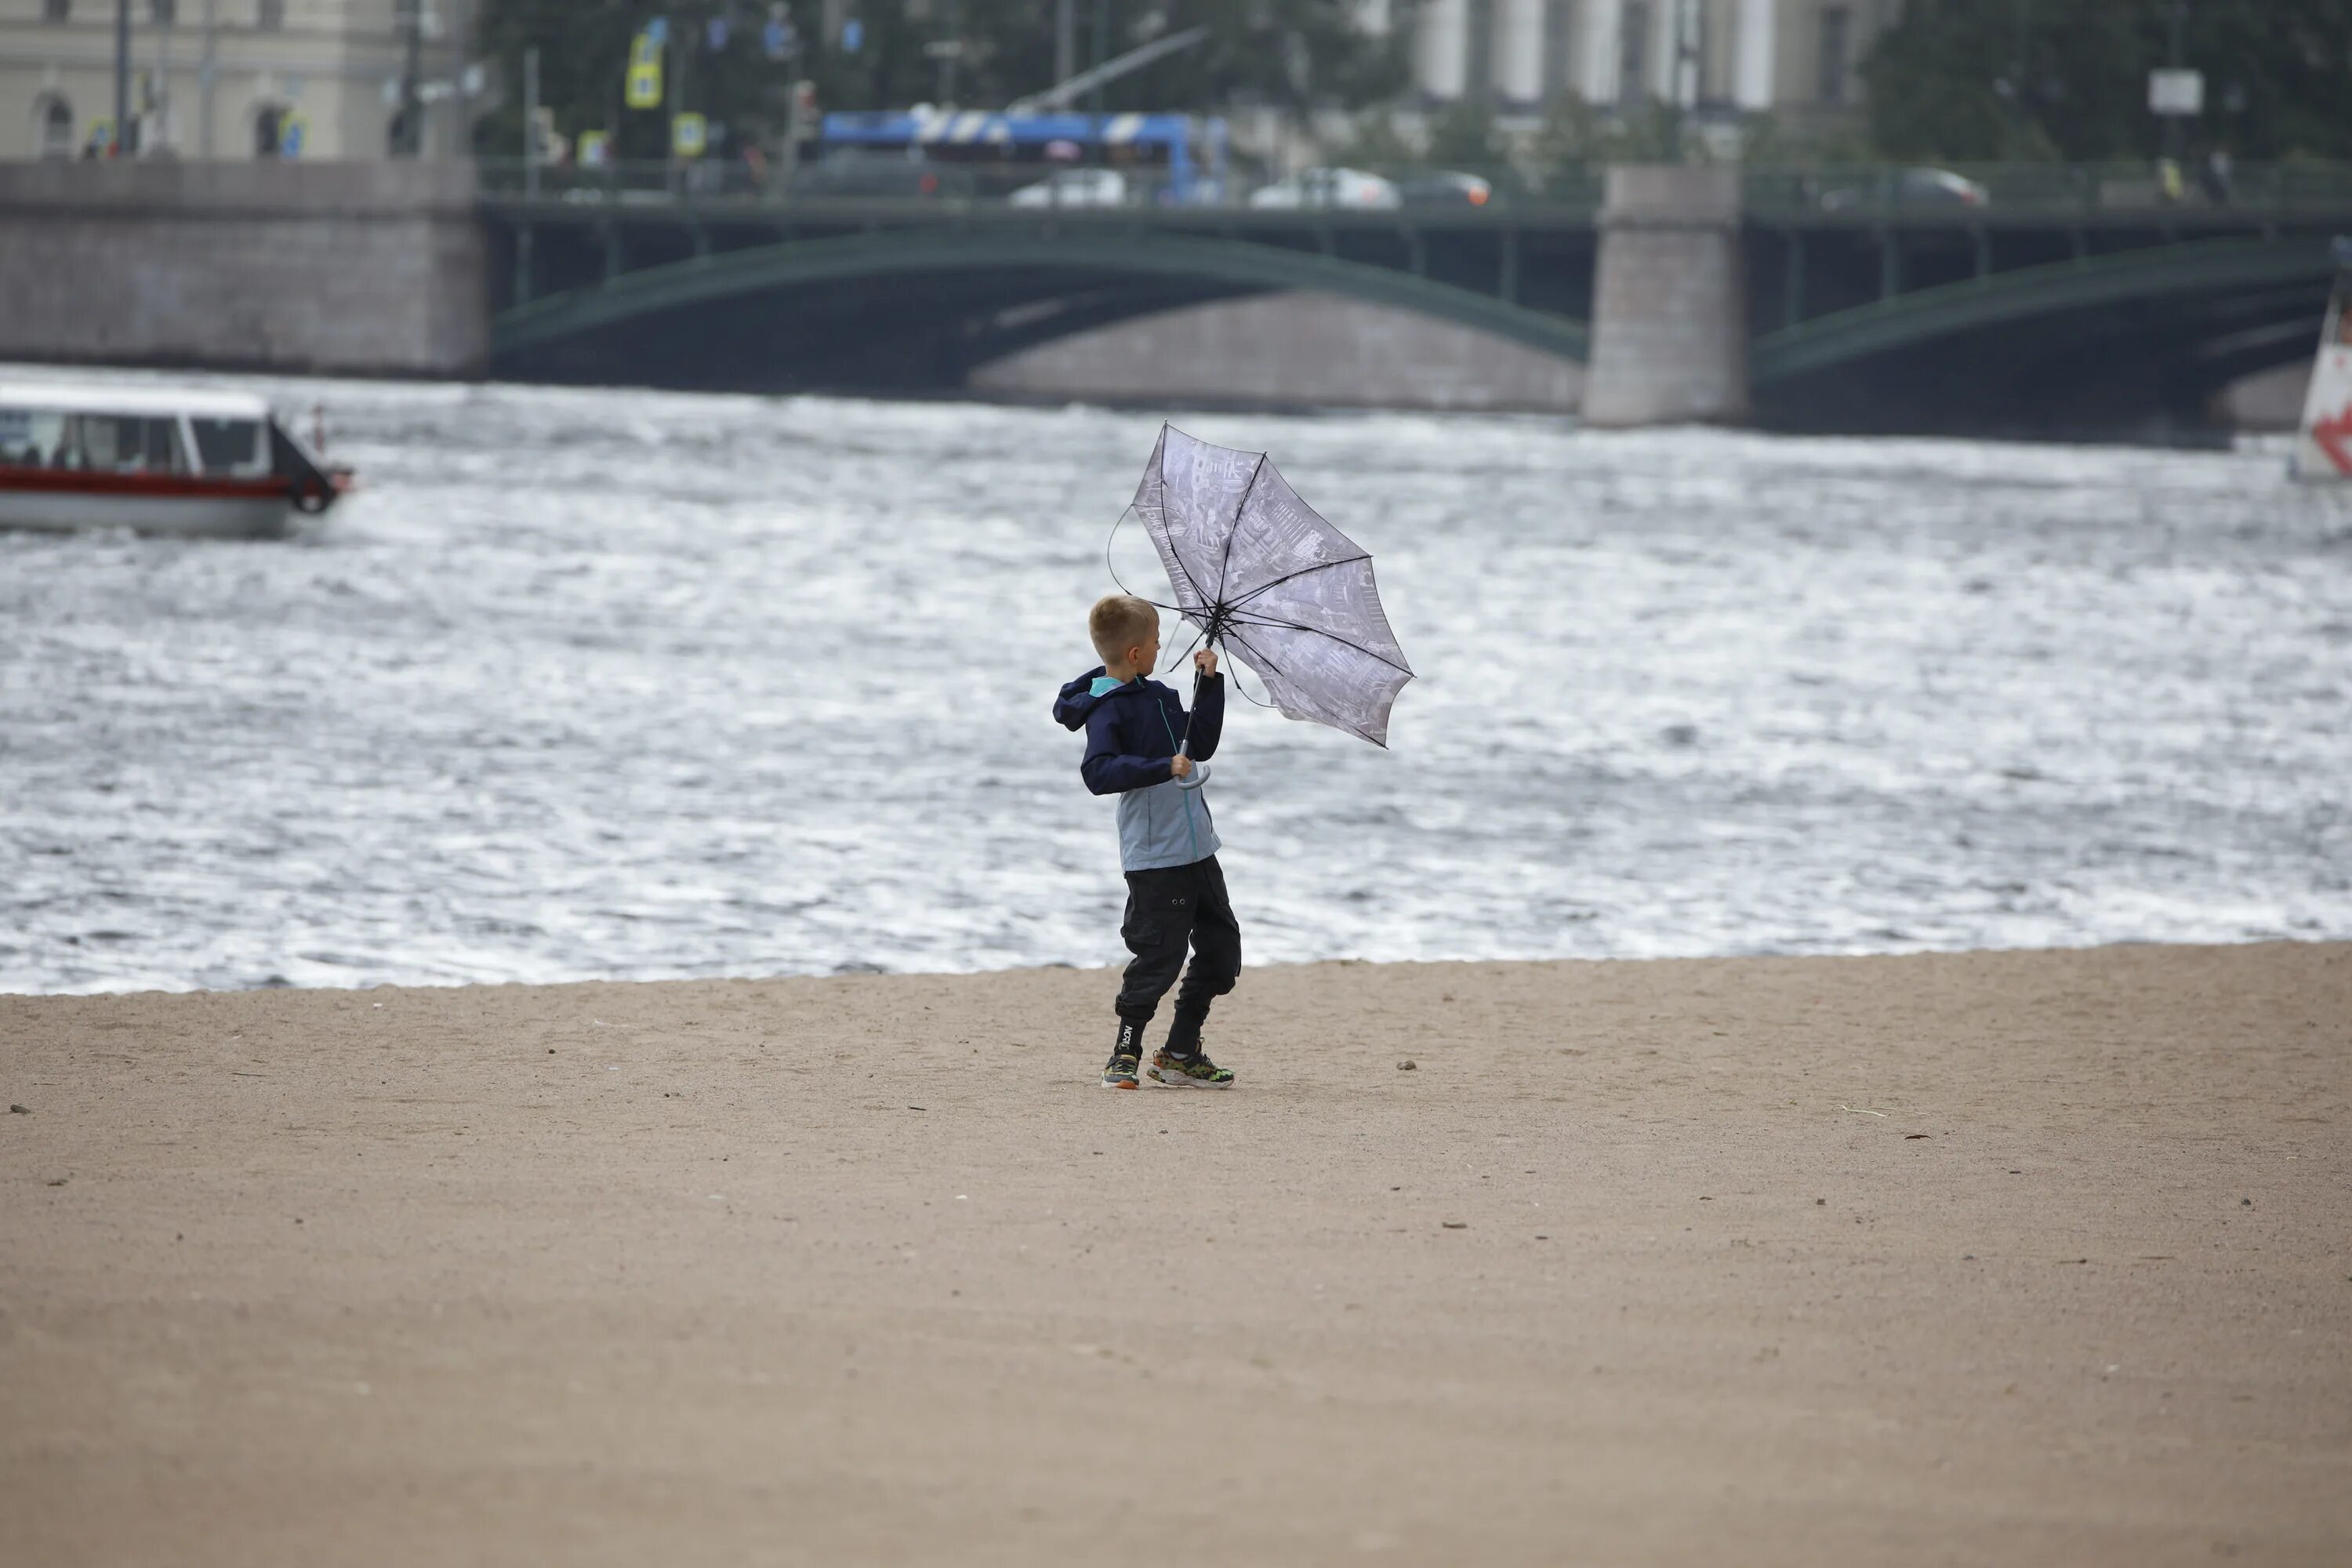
(1168,909)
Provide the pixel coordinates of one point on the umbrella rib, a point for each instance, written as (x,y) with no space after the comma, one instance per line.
(1176,555)
(1179,609)
(1255,653)
(1270,621)
(1184,653)
(1234,532)
(1303,570)
(1349,728)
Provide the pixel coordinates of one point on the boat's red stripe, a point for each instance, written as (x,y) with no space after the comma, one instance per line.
(74,481)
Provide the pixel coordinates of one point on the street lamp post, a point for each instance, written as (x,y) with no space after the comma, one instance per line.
(1682,80)
(409,128)
(2178,19)
(529,126)
(167,112)
(121,76)
(205,74)
(1102,44)
(948,51)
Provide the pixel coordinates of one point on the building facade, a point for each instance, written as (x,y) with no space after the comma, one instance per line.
(236,78)
(1798,57)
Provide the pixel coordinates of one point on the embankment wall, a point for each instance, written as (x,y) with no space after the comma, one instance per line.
(349,269)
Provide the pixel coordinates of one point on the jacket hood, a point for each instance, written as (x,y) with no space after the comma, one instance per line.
(1077,699)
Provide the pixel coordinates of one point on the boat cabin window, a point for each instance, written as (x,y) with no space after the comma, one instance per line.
(29,435)
(114,443)
(231,445)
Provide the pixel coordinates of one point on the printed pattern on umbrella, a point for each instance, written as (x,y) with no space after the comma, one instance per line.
(1261,573)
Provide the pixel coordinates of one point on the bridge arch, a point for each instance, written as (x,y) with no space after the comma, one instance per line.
(2141,338)
(2222,269)
(972,297)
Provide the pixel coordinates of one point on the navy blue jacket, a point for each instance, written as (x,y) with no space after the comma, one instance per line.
(1132,732)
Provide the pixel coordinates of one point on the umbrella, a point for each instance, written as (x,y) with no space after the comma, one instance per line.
(1261,575)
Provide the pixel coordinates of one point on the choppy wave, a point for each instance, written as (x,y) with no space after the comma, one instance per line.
(627,684)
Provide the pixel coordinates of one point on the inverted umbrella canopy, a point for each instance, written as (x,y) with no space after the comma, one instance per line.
(1261,574)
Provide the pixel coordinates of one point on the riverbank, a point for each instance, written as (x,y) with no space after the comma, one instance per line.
(2016,1257)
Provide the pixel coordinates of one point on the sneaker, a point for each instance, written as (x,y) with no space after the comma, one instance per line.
(1120,1072)
(1196,1071)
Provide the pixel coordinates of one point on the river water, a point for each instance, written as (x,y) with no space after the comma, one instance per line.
(625,684)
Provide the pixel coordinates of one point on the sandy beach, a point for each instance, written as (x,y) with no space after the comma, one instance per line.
(2004,1257)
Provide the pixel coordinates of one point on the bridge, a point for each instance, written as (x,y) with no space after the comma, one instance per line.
(890,299)
(2070,299)
(2066,300)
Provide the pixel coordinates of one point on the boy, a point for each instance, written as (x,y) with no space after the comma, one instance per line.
(1138,749)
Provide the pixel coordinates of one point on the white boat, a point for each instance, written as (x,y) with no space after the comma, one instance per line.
(210,465)
(2323,442)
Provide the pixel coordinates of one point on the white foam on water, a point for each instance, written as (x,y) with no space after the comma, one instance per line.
(630,684)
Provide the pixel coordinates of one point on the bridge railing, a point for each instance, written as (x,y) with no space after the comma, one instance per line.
(734,181)
(1860,190)
(2056,190)
(647,181)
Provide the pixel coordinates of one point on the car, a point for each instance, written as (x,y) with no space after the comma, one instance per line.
(1075,188)
(1443,188)
(1913,187)
(853,171)
(1327,188)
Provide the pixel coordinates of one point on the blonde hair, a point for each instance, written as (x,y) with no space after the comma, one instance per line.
(1119,622)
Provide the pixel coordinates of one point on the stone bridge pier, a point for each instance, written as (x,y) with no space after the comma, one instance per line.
(1670,300)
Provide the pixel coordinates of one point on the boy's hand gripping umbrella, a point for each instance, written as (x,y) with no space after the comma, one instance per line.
(1262,575)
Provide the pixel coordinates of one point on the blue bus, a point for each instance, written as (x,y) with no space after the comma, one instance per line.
(1181,157)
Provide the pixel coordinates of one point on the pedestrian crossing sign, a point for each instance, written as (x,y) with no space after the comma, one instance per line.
(645,83)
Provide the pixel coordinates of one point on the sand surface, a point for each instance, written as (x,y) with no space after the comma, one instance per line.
(2016,1258)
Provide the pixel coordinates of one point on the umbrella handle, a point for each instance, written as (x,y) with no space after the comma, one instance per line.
(1195,708)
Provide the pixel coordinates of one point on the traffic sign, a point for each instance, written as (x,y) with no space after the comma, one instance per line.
(2176,92)
(645,84)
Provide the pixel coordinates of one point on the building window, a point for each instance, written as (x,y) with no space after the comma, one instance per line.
(57,10)
(163,12)
(57,128)
(1837,28)
(269,15)
(268,130)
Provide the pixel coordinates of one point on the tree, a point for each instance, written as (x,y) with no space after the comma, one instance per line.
(2068,79)
(583,49)
(1294,53)
(1374,143)
(1463,136)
